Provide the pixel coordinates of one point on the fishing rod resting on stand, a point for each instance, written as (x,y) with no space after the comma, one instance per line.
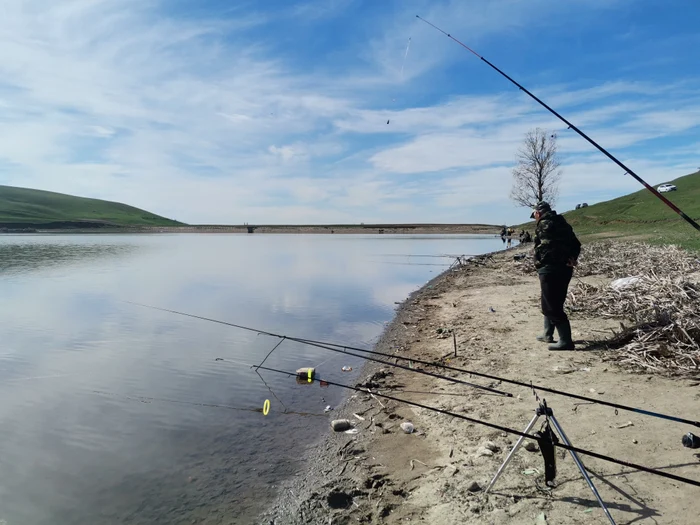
(547,440)
(313,377)
(571,126)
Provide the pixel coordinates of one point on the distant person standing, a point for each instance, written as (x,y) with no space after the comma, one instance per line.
(556,253)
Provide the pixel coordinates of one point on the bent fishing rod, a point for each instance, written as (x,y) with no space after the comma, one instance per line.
(330,347)
(571,126)
(530,385)
(499,427)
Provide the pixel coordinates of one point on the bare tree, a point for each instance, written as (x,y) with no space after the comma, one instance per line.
(536,177)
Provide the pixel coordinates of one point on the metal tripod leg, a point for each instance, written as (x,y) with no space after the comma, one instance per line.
(512,452)
(581,467)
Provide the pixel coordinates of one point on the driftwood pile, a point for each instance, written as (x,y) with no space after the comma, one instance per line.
(660,303)
(623,259)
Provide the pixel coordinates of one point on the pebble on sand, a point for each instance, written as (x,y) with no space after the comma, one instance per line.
(339,425)
(407,427)
(483,451)
(531,446)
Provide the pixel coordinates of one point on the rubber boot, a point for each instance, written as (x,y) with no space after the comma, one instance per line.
(565,342)
(547,335)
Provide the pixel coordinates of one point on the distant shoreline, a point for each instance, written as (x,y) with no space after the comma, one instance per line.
(485,229)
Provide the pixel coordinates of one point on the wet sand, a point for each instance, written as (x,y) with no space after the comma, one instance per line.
(437,474)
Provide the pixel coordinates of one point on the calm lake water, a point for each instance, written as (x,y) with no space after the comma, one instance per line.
(108,409)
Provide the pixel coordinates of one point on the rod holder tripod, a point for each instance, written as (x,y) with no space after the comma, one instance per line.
(544,410)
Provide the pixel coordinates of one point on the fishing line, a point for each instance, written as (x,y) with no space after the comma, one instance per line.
(404,57)
(413,264)
(31,378)
(144,399)
(428,363)
(505,429)
(446,255)
(403,63)
(577,130)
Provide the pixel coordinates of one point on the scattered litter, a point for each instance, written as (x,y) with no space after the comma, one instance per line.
(619,284)
(531,472)
(417,461)
(306,373)
(558,370)
(491,309)
(592,390)
(377,400)
(352,431)
(340,425)
(359,417)
(328,408)
(542,519)
(407,427)
(635,441)
(347,369)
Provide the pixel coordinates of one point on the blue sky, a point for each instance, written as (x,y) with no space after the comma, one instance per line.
(275,112)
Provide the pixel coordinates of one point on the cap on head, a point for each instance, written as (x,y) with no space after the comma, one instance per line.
(541,207)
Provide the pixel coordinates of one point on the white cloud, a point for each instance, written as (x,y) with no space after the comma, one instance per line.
(197,119)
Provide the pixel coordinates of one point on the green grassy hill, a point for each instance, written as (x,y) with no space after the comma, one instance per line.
(23,207)
(643,216)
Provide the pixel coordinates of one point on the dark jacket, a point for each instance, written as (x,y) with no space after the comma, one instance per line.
(555,243)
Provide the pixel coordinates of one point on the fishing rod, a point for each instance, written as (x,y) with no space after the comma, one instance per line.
(330,347)
(402,367)
(444,367)
(523,384)
(502,429)
(577,130)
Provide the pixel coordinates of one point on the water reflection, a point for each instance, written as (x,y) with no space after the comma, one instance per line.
(35,253)
(108,412)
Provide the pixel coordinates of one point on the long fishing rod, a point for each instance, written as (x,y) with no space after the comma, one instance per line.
(331,347)
(445,367)
(503,429)
(577,130)
(521,383)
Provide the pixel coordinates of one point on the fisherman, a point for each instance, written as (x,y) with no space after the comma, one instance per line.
(556,253)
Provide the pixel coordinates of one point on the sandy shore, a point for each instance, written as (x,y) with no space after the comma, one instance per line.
(437,474)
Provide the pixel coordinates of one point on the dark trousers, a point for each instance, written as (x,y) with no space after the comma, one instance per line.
(554,286)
